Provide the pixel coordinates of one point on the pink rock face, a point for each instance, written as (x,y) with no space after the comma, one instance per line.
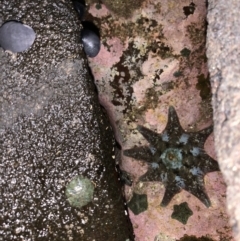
(151,61)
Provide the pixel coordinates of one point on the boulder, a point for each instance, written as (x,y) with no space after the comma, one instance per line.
(55,139)
(224,66)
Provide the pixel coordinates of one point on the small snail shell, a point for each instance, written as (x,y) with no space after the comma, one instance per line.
(91,42)
(16,37)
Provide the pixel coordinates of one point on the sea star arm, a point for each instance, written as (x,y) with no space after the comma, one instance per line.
(208,164)
(170,192)
(140,153)
(156,173)
(151,136)
(173,126)
(198,190)
(199,138)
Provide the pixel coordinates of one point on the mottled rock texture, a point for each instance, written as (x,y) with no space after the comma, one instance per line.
(151,61)
(124,8)
(51,130)
(223,53)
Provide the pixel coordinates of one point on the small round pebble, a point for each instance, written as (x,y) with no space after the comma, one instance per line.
(91,42)
(16,37)
(80,8)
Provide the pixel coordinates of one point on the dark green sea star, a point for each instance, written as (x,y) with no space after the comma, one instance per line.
(181,212)
(138,203)
(176,158)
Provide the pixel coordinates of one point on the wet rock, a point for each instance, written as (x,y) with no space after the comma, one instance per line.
(53,130)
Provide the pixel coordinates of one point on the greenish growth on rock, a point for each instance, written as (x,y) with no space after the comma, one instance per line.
(164,51)
(98,6)
(182,212)
(193,238)
(122,8)
(138,203)
(185,52)
(177,74)
(79,191)
(204,86)
(197,34)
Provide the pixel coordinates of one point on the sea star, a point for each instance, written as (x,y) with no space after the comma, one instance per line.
(176,158)
(138,203)
(182,212)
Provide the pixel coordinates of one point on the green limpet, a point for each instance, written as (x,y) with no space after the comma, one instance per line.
(79,191)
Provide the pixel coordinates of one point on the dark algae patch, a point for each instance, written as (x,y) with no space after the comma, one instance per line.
(190,9)
(204,86)
(185,52)
(177,74)
(193,238)
(123,8)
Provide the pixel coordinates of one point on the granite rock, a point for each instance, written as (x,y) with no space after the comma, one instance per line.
(223,60)
(53,129)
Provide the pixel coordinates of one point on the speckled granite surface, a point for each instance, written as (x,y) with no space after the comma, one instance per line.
(52,130)
(223,54)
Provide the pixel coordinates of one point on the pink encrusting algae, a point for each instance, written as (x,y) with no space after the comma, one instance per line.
(148,62)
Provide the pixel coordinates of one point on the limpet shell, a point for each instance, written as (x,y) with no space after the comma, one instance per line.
(79,191)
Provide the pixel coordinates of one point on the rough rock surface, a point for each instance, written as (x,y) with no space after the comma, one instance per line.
(53,129)
(224,66)
(153,60)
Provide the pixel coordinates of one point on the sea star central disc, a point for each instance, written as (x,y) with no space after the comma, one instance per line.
(172,158)
(176,158)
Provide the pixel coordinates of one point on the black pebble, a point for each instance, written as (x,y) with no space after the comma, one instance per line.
(91,42)
(16,37)
(80,8)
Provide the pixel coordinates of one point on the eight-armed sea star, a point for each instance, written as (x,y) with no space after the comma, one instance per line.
(176,158)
